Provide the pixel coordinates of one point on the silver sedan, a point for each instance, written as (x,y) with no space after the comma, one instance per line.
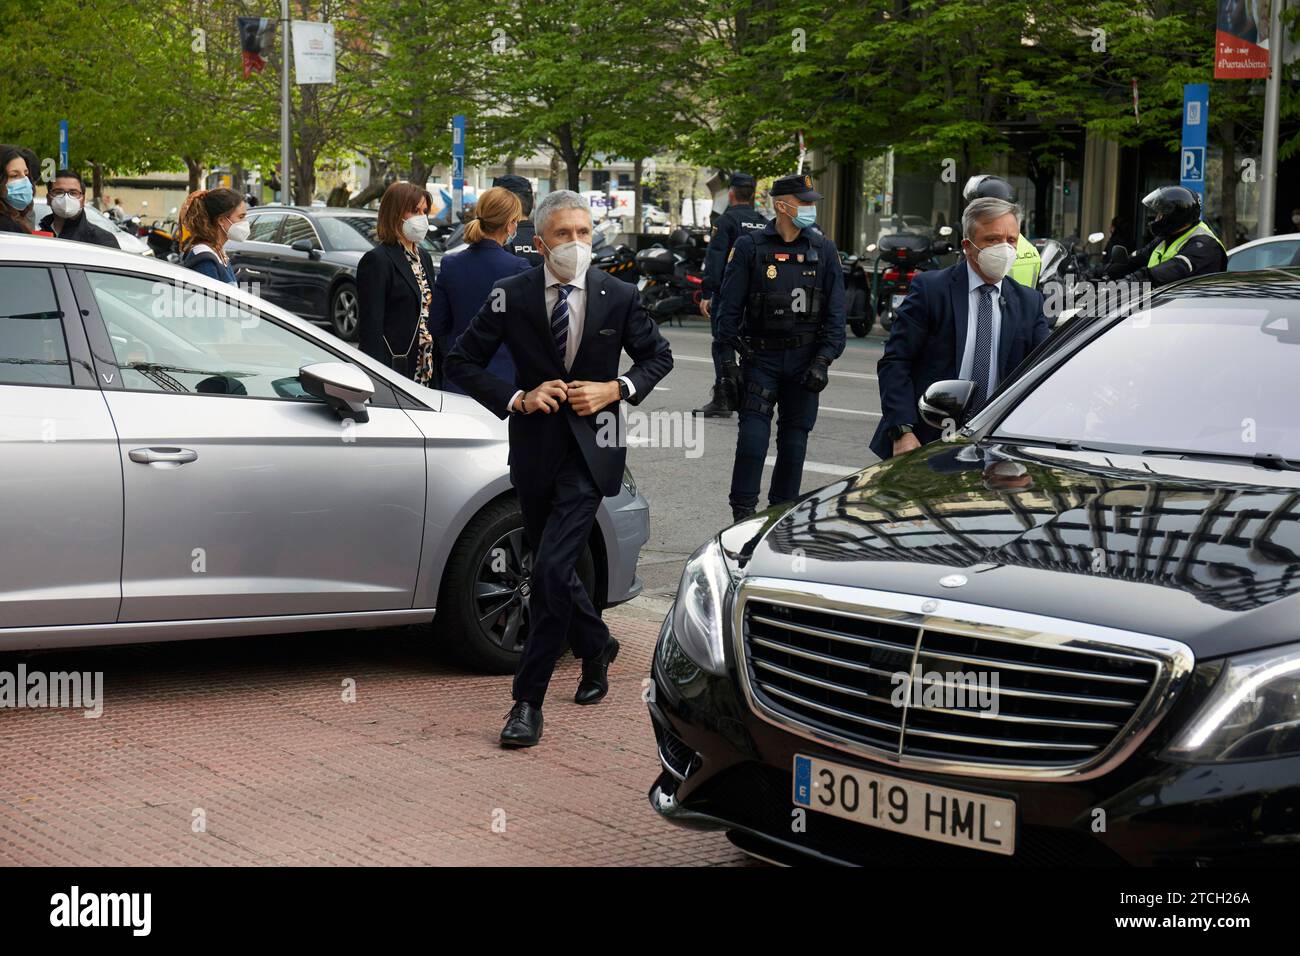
(181,459)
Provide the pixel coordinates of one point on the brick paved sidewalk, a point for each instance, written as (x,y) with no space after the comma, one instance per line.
(253,735)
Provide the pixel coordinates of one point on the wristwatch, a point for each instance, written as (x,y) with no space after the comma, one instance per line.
(624,393)
(898,431)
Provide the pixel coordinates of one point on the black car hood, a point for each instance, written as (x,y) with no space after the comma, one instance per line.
(1201,552)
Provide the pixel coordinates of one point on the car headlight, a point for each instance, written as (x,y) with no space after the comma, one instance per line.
(1253,711)
(629,483)
(697,612)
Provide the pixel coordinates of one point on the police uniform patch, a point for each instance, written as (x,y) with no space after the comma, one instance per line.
(807,181)
(771,272)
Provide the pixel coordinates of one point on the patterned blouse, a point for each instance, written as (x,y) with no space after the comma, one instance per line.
(424,370)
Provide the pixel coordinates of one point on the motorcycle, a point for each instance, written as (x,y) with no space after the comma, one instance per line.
(1065,263)
(672,277)
(164,238)
(857,287)
(899,257)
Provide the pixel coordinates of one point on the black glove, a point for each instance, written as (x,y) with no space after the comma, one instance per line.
(816,377)
(731,372)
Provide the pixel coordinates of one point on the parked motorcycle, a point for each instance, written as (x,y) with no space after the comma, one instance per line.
(899,257)
(1065,263)
(672,277)
(857,287)
(164,238)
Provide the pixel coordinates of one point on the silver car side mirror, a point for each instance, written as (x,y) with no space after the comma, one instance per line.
(945,402)
(343,387)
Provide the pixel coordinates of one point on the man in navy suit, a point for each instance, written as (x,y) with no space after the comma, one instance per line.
(565,325)
(970,321)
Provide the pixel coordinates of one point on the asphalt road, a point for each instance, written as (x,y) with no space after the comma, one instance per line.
(687,487)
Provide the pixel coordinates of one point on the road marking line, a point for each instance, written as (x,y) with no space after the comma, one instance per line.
(849,411)
(820,467)
(696,358)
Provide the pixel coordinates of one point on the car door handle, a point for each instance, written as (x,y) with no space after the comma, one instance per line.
(159,456)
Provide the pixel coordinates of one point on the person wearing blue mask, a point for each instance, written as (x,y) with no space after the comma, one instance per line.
(781,306)
(18,192)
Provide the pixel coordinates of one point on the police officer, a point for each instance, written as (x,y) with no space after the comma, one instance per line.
(1029,263)
(1183,245)
(739,218)
(522,244)
(781,306)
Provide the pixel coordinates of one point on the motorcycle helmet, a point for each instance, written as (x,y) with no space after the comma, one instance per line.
(984,186)
(1174,209)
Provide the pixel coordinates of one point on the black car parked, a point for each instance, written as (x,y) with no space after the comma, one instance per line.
(304,259)
(1071,634)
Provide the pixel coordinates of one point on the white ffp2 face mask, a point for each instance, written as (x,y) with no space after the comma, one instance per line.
(570,259)
(65,207)
(995,261)
(416,227)
(238,231)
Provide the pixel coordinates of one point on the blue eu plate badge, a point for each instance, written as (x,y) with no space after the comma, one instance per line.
(803,781)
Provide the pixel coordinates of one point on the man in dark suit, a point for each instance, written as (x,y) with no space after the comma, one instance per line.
(565,325)
(969,321)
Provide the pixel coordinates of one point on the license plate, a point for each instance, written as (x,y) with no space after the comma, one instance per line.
(641,283)
(896,300)
(903,806)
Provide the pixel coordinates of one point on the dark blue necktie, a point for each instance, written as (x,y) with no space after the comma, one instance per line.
(560,320)
(983,360)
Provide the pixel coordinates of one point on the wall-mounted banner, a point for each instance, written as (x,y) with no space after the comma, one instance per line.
(1242,41)
(313,52)
(257,42)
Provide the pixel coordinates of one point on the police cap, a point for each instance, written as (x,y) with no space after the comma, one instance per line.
(799,185)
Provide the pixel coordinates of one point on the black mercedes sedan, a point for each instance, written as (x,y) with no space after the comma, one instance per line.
(304,259)
(1068,634)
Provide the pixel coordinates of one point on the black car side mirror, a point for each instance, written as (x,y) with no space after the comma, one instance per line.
(305,245)
(343,387)
(945,402)
(1117,254)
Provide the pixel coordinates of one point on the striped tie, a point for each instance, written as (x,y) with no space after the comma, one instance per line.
(560,322)
(982,364)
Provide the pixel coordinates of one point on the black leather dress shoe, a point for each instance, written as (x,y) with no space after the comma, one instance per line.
(523,726)
(595,675)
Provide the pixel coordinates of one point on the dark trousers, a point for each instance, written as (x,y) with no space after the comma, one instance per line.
(558,519)
(772,383)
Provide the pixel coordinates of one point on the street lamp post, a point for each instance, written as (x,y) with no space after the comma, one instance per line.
(1272,104)
(285,195)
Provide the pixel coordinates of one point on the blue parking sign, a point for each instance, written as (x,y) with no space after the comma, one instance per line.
(1196,121)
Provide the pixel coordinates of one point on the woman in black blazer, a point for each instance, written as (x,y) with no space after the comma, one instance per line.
(395,287)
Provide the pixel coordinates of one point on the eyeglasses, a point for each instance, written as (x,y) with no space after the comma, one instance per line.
(74,193)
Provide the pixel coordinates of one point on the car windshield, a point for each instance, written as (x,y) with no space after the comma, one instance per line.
(348,233)
(1203,376)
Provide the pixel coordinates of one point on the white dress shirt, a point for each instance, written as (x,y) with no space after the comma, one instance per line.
(577,320)
(967,368)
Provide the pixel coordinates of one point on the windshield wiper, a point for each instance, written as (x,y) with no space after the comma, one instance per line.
(1267,459)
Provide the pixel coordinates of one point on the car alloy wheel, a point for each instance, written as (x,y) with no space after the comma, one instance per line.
(343,316)
(502,588)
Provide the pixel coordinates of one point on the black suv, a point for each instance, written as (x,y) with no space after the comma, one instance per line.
(1069,634)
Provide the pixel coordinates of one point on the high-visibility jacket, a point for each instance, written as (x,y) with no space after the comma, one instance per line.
(1028,263)
(1167,250)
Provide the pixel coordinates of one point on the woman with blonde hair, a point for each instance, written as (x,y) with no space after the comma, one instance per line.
(394,287)
(465,279)
(209,218)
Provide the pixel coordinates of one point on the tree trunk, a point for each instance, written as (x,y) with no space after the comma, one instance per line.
(303,158)
(510,166)
(554,178)
(1228,185)
(376,185)
(636,195)
(419,171)
(97,182)
(194,169)
(570,156)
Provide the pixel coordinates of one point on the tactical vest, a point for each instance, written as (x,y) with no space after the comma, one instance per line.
(1028,263)
(1164,252)
(785,299)
(747,218)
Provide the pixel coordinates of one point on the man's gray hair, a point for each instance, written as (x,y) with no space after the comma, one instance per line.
(560,199)
(984,210)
